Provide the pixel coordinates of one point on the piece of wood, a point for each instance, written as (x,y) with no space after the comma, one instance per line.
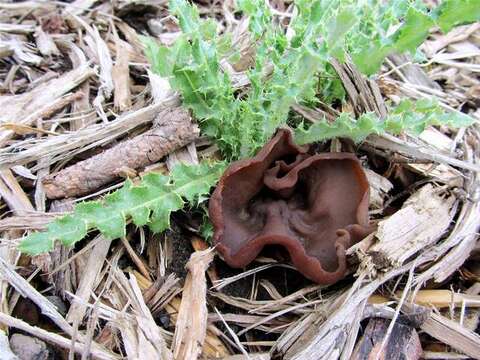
(191,325)
(87,282)
(67,144)
(453,251)
(453,334)
(422,220)
(45,43)
(121,78)
(379,188)
(437,298)
(13,194)
(437,139)
(161,90)
(403,343)
(414,150)
(87,176)
(17,28)
(28,107)
(441,173)
(412,72)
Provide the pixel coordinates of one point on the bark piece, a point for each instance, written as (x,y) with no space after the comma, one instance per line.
(53,149)
(403,343)
(423,219)
(145,149)
(379,188)
(191,326)
(161,90)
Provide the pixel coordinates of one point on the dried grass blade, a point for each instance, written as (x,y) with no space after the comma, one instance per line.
(191,323)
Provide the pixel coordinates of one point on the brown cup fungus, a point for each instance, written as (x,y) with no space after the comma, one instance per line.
(315,206)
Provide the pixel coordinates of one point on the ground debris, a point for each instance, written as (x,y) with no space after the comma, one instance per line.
(423,219)
(89,175)
(402,344)
(29,347)
(82,109)
(191,323)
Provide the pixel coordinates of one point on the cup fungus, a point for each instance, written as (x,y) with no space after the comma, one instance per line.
(315,206)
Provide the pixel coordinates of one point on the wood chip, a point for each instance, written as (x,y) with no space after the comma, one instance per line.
(379,188)
(191,323)
(121,78)
(423,219)
(403,343)
(90,276)
(453,334)
(28,107)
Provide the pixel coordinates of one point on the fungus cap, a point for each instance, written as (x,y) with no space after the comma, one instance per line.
(315,206)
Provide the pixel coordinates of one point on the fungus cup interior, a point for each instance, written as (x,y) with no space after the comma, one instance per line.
(316,206)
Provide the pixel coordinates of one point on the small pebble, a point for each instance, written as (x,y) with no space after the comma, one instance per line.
(29,348)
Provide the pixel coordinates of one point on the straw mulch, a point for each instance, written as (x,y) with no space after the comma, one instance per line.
(75,84)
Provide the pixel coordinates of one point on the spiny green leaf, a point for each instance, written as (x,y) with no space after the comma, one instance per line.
(407,116)
(321,30)
(187,15)
(371,58)
(413,32)
(340,24)
(455,12)
(149,203)
(37,243)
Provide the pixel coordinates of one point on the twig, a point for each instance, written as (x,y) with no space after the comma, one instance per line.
(145,149)
(54,338)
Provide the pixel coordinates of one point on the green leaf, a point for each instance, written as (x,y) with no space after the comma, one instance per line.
(370,59)
(456,12)
(413,32)
(407,116)
(241,123)
(149,203)
(187,15)
(339,25)
(37,243)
